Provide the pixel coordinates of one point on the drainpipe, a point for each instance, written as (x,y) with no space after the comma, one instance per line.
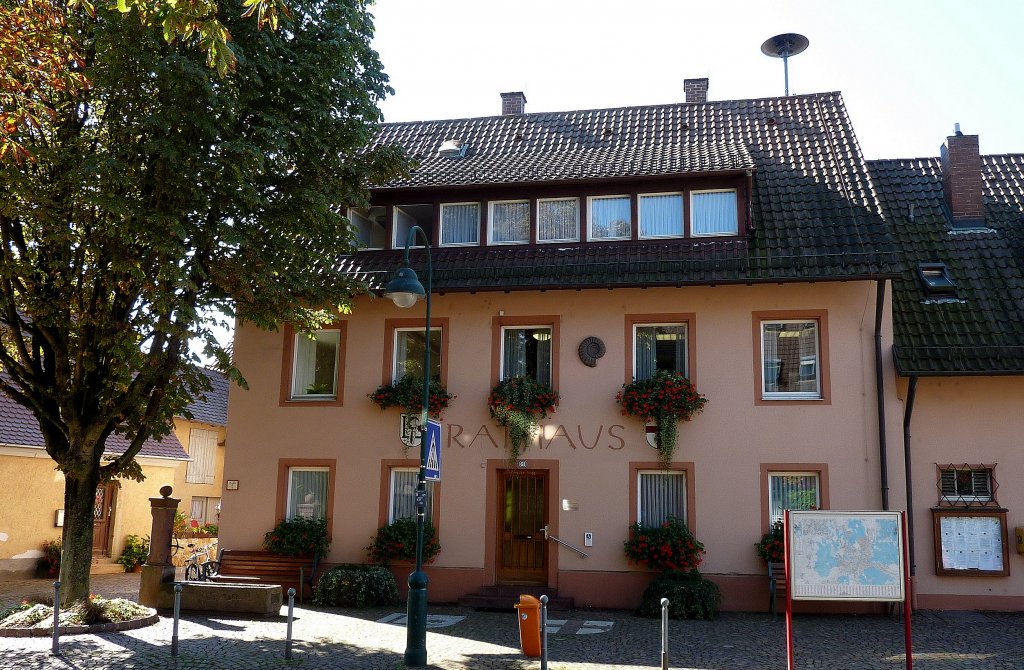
(879,391)
(907,414)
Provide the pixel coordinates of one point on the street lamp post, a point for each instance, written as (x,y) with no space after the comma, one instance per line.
(406,290)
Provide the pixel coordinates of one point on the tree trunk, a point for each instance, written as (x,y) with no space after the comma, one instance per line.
(76,560)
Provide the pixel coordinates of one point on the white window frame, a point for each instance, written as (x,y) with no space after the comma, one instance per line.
(333,395)
(662,473)
(202,453)
(686,349)
(734,232)
(792,473)
(501,349)
(590,217)
(395,376)
(428,509)
(396,232)
(575,238)
(440,224)
(490,222)
(290,513)
(640,216)
(793,395)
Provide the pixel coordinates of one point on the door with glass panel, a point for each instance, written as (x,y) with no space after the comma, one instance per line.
(103,519)
(522,511)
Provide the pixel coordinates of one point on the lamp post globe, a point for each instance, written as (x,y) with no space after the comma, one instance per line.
(405,290)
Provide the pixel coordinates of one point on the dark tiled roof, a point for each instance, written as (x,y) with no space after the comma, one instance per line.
(212,406)
(814,211)
(979,331)
(18,427)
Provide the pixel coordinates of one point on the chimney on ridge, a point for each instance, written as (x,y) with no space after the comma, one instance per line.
(961,179)
(513,103)
(696,89)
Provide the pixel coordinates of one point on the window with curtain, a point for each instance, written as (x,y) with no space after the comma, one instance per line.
(202,450)
(409,352)
(526,352)
(510,222)
(792,490)
(460,223)
(661,215)
(307,493)
(610,218)
(660,494)
(789,355)
(315,368)
(558,220)
(660,347)
(403,495)
(713,213)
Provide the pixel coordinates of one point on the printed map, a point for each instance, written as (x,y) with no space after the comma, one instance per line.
(846,556)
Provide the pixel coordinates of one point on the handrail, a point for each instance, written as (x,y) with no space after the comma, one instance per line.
(549,536)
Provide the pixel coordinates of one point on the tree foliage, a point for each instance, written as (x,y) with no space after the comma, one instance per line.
(160,192)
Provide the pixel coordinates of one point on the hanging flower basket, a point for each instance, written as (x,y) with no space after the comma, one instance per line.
(771,546)
(666,398)
(519,404)
(407,393)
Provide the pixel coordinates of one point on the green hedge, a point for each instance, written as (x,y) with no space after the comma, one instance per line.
(690,596)
(356,586)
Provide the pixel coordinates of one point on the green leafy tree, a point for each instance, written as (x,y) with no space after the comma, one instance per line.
(161,192)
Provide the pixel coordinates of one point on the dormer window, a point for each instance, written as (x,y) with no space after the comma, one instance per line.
(713,213)
(661,215)
(936,280)
(407,216)
(460,223)
(510,222)
(369,227)
(610,217)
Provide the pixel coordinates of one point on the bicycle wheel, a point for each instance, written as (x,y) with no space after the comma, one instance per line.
(191,572)
(210,569)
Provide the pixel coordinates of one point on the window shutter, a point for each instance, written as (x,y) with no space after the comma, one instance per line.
(202,447)
(947,482)
(981,481)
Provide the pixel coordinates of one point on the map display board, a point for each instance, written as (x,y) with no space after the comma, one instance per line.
(846,556)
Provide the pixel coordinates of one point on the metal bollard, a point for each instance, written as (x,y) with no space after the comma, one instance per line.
(543,633)
(55,649)
(664,634)
(291,612)
(177,615)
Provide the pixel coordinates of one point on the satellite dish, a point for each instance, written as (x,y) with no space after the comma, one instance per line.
(783,46)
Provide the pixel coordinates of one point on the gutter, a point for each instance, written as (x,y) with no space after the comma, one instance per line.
(879,392)
(908,413)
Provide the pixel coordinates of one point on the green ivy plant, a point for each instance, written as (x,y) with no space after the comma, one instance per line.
(518,404)
(666,398)
(298,537)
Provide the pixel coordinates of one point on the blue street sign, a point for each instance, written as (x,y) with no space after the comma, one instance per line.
(433,470)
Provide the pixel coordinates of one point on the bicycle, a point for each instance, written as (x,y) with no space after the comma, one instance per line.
(201,571)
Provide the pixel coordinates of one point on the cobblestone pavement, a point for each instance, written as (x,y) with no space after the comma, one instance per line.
(341,638)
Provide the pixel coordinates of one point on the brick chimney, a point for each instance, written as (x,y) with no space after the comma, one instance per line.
(513,103)
(696,89)
(961,178)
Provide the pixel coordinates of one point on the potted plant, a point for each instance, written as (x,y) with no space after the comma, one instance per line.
(298,537)
(397,542)
(670,546)
(51,557)
(771,548)
(666,398)
(407,393)
(518,404)
(135,553)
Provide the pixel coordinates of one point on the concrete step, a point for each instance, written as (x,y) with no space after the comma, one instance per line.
(105,566)
(505,597)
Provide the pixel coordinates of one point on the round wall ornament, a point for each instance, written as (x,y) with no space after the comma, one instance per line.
(591,349)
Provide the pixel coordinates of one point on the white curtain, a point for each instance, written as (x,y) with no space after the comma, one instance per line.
(558,219)
(403,495)
(315,362)
(662,494)
(307,493)
(527,353)
(610,217)
(646,362)
(660,348)
(661,215)
(792,491)
(714,213)
(460,224)
(510,221)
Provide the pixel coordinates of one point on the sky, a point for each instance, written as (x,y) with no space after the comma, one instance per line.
(908,69)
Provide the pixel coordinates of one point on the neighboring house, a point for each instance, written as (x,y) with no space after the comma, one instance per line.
(958,312)
(740,242)
(32,502)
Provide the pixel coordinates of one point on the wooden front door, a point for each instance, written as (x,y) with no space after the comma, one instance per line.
(103,519)
(522,509)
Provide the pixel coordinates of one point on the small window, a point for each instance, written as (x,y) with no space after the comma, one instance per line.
(792,490)
(661,215)
(409,352)
(403,495)
(307,493)
(197,510)
(526,352)
(789,356)
(202,450)
(558,220)
(965,485)
(660,494)
(369,227)
(407,216)
(610,218)
(460,223)
(315,368)
(510,222)
(660,347)
(713,213)
(936,280)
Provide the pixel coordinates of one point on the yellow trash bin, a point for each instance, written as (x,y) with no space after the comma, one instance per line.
(528,611)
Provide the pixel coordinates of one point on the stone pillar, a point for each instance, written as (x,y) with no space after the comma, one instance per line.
(158,568)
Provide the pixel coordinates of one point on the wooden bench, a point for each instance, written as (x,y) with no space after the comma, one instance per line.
(261,567)
(777,584)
